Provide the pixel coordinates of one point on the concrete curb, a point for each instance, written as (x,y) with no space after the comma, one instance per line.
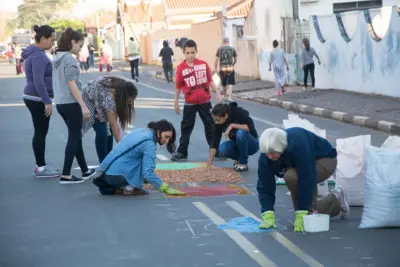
(385,126)
(159,75)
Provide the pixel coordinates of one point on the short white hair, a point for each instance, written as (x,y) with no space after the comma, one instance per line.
(273,140)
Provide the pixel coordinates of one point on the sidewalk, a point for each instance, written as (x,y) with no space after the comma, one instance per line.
(243,84)
(373,111)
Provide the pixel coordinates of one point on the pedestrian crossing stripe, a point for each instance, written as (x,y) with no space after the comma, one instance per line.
(281,181)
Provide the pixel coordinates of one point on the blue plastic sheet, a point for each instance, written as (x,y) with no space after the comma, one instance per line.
(244,225)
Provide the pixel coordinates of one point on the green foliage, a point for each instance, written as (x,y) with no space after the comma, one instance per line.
(61,24)
(32,12)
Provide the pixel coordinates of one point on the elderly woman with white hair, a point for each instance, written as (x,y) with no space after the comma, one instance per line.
(303,159)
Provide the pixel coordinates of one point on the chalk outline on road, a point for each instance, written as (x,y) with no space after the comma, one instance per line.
(310,261)
(248,247)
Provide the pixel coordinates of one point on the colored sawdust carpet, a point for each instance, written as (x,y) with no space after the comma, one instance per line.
(244,225)
(200,175)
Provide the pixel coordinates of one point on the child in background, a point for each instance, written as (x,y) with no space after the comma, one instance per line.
(193,77)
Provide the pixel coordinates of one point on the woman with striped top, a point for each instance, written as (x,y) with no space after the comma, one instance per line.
(109,99)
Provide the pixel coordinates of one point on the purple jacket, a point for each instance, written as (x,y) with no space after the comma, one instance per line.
(38,72)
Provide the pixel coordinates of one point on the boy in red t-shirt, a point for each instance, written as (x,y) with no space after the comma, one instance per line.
(194,78)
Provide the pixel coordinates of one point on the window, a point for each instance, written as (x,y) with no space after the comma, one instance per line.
(358,5)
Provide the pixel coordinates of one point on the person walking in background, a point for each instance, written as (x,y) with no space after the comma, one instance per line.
(166,54)
(133,58)
(38,94)
(277,60)
(18,62)
(90,60)
(69,103)
(307,62)
(83,57)
(109,99)
(105,57)
(193,77)
(226,57)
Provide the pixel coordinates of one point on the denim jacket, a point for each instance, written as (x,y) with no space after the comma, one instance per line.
(134,157)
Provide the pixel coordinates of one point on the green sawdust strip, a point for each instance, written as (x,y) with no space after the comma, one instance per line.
(241,191)
(180,166)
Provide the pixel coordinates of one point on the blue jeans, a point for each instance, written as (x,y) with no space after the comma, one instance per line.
(104,142)
(244,145)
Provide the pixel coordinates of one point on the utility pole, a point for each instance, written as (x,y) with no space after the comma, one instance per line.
(224,14)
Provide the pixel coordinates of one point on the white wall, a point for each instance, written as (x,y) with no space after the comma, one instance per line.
(363,64)
(325,7)
(229,27)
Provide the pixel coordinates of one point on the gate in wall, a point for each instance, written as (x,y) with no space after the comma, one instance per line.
(302,31)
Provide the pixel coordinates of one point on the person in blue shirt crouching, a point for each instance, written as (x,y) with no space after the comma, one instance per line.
(304,160)
(132,162)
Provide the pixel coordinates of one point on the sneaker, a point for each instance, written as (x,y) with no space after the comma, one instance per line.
(341,195)
(89,174)
(73,180)
(179,157)
(137,79)
(47,172)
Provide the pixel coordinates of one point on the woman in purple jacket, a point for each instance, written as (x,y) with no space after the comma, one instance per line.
(38,94)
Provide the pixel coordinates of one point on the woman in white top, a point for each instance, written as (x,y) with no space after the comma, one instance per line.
(277,59)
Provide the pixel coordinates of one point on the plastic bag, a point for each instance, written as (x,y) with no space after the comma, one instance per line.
(216,80)
(382,188)
(351,168)
(392,142)
(295,121)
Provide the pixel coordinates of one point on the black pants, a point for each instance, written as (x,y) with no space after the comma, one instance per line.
(187,124)
(72,115)
(227,78)
(103,141)
(41,127)
(134,68)
(168,68)
(309,68)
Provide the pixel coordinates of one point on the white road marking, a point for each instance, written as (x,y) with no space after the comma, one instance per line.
(310,261)
(163,157)
(267,122)
(193,184)
(237,237)
(90,167)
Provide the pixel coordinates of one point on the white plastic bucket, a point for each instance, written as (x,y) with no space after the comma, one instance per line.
(316,223)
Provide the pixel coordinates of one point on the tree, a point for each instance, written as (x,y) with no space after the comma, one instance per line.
(32,12)
(60,25)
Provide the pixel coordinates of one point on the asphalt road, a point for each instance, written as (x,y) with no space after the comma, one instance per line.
(45,224)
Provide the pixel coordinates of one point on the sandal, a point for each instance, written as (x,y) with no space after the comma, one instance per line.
(241,168)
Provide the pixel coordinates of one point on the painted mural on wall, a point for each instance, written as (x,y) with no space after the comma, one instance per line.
(363,62)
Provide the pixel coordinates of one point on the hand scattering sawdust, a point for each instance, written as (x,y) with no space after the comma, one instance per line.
(199,175)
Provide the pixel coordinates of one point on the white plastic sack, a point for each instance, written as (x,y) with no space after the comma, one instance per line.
(393,142)
(351,168)
(295,121)
(216,80)
(382,188)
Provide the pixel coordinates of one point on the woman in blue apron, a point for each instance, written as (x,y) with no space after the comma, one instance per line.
(133,160)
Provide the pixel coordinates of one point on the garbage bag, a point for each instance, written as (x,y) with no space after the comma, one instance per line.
(351,168)
(392,142)
(382,188)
